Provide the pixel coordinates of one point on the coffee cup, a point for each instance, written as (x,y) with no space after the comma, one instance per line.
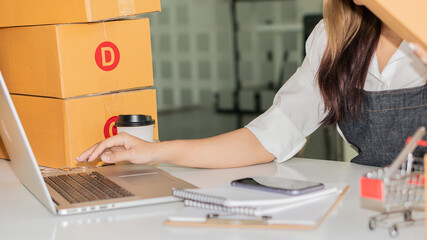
(140,126)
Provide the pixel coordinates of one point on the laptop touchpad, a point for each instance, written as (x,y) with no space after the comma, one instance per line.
(144,177)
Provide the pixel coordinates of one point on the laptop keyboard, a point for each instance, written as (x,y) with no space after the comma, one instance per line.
(84,187)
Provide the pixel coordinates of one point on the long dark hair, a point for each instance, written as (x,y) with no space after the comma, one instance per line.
(345,63)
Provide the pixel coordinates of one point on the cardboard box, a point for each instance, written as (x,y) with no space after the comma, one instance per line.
(3,152)
(59,130)
(407,18)
(71,60)
(38,12)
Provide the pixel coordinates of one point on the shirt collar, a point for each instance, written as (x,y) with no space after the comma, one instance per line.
(403,51)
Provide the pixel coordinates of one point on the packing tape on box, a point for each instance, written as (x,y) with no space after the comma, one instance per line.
(126,7)
(88,10)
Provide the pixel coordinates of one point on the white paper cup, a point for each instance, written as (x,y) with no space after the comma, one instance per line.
(144,132)
(140,126)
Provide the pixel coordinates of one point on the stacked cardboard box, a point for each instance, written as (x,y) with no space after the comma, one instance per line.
(67,80)
(41,12)
(407,18)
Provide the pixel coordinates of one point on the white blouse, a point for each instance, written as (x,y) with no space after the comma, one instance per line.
(298,108)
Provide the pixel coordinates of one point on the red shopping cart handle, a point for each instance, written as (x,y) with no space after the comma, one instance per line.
(417,180)
(421,143)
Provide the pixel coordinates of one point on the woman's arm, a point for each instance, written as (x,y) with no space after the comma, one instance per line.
(296,112)
(234,149)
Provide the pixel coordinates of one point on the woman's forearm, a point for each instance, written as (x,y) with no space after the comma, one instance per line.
(234,149)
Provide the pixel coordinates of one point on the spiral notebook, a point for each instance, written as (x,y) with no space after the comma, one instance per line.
(235,207)
(247,201)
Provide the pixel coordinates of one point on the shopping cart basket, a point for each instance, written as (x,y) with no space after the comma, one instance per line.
(397,189)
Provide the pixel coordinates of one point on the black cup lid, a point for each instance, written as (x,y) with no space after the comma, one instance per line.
(134,120)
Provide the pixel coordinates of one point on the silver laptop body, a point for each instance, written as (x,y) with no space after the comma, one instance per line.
(147,184)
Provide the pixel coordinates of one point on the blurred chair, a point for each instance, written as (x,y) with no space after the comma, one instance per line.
(310,21)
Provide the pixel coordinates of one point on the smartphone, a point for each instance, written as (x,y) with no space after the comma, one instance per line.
(278,185)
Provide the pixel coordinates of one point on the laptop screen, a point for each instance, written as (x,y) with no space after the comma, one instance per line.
(19,150)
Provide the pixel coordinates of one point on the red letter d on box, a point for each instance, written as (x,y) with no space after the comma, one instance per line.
(107,56)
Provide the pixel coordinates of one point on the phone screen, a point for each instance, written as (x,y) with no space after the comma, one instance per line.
(278,185)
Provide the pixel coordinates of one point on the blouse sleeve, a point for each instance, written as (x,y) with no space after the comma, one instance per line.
(297,108)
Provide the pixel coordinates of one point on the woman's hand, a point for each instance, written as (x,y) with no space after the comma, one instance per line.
(121,147)
(420,52)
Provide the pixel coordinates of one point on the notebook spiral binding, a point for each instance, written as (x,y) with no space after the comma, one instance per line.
(204,198)
(209,202)
(248,211)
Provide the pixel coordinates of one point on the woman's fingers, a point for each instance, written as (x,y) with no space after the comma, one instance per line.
(85,155)
(113,143)
(420,52)
(118,140)
(113,157)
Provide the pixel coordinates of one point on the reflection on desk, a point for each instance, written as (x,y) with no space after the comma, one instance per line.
(24,217)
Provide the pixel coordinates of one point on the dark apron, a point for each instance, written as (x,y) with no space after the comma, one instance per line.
(390,117)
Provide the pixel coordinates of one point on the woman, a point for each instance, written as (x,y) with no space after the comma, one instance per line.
(349,51)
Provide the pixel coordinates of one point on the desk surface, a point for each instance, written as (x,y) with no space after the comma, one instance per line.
(22,216)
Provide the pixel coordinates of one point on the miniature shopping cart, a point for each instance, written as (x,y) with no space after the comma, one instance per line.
(396,190)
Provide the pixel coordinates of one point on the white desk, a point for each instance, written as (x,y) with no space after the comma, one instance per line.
(22,216)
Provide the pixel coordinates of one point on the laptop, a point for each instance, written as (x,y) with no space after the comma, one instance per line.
(81,190)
